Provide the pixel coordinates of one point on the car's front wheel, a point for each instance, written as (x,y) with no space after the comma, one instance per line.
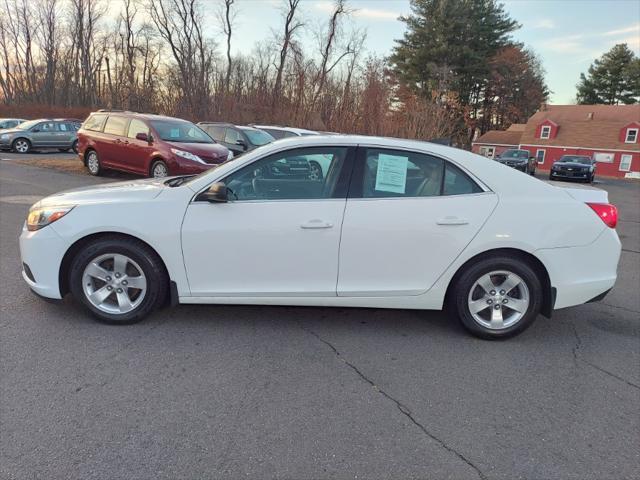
(159,169)
(120,280)
(497,297)
(21,145)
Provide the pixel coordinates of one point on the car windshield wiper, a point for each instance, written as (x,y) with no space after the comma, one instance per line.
(175,182)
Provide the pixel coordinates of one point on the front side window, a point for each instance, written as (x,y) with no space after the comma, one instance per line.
(48,127)
(289,175)
(115,126)
(94,123)
(277,134)
(545,132)
(258,137)
(632,135)
(231,136)
(137,126)
(215,131)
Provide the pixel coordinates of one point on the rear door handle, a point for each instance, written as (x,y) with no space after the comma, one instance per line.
(451,220)
(316,223)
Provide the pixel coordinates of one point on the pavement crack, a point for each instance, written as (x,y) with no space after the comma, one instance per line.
(630,251)
(576,358)
(399,405)
(620,308)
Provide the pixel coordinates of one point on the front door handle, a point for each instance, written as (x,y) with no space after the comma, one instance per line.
(316,223)
(451,220)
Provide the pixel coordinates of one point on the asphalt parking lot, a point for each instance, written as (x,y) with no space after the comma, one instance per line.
(282,392)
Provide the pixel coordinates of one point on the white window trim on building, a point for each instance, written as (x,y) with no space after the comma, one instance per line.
(623,158)
(598,155)
(488,152)
(544,153)
(547,129)
(635,138)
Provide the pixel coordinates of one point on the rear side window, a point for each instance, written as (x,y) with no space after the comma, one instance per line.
(94,123)
(115,126)
(137,126)
(277,134)
(456,182)
(399,173)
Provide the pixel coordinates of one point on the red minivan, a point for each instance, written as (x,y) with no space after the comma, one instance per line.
(149,145)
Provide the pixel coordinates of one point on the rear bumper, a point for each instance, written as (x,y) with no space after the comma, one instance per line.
(582,274)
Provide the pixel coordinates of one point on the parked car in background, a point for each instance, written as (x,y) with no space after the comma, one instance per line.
(518,159)
(149,145)
(394,224)
(39,134)
(279,132)
(574,167)
(237,138)
(6,123)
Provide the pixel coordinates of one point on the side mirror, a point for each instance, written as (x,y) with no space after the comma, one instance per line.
(216,193)
(241,143)
(35,130)
(143,137)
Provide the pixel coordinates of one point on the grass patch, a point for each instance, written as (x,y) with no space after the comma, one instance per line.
(68,165)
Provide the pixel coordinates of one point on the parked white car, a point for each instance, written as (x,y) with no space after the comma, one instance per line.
(393,224)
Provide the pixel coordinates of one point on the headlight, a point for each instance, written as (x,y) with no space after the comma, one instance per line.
(187,155)
(230,155)
(41,217)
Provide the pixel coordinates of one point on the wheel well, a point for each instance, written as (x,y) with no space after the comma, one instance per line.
(65,266)
(21,138)
(154,160)
(86,152)
(549,292)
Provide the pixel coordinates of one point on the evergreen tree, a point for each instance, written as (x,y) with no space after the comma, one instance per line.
(448,46)
(612,79)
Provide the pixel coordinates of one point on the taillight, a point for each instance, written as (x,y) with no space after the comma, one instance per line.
(608,213)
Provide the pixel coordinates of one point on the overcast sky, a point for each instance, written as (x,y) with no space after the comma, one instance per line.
(567,34)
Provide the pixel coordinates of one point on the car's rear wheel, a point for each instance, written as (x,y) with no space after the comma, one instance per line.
(93,163)
(159,169)
(120,280)
(21,145)
(63,150)
(497,297)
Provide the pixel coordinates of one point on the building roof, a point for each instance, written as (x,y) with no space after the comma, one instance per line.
(584,126)
(500,137)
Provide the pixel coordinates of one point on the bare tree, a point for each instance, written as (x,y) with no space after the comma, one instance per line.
(227,18)
(291,25)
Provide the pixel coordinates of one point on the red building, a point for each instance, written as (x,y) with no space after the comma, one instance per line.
(494,142)
(608,133)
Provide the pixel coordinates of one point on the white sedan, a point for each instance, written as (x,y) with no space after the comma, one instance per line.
(392,224)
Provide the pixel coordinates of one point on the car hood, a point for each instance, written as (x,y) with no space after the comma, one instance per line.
(202,149)
(127,191)
(571,164)
(11,130)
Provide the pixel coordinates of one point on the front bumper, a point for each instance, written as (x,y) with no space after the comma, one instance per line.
(42,251)
(5,144)
(518,166)
(579,175)
(581,274)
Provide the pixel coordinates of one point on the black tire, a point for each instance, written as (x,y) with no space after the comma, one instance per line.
(63,150)
(145,257)
(92,162)
(158,164)
(18,142)
(315,171)
(459,300)
(74,146)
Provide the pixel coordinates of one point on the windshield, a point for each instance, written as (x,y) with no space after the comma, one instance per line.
(515,154)
(257,137)
(575,159)
(28,125)
(180,131)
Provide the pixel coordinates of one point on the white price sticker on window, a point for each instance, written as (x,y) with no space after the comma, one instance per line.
(392,173)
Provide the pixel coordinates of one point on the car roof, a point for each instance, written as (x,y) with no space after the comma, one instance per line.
(295,130)
(11,118)
(143,116)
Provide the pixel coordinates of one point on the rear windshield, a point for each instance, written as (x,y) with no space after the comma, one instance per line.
(180,131)
(257,137)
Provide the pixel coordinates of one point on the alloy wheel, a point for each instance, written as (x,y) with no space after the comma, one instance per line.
(498,299)
(92,163)
(315,173)
(159,170)
(114,283)
(22,146)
